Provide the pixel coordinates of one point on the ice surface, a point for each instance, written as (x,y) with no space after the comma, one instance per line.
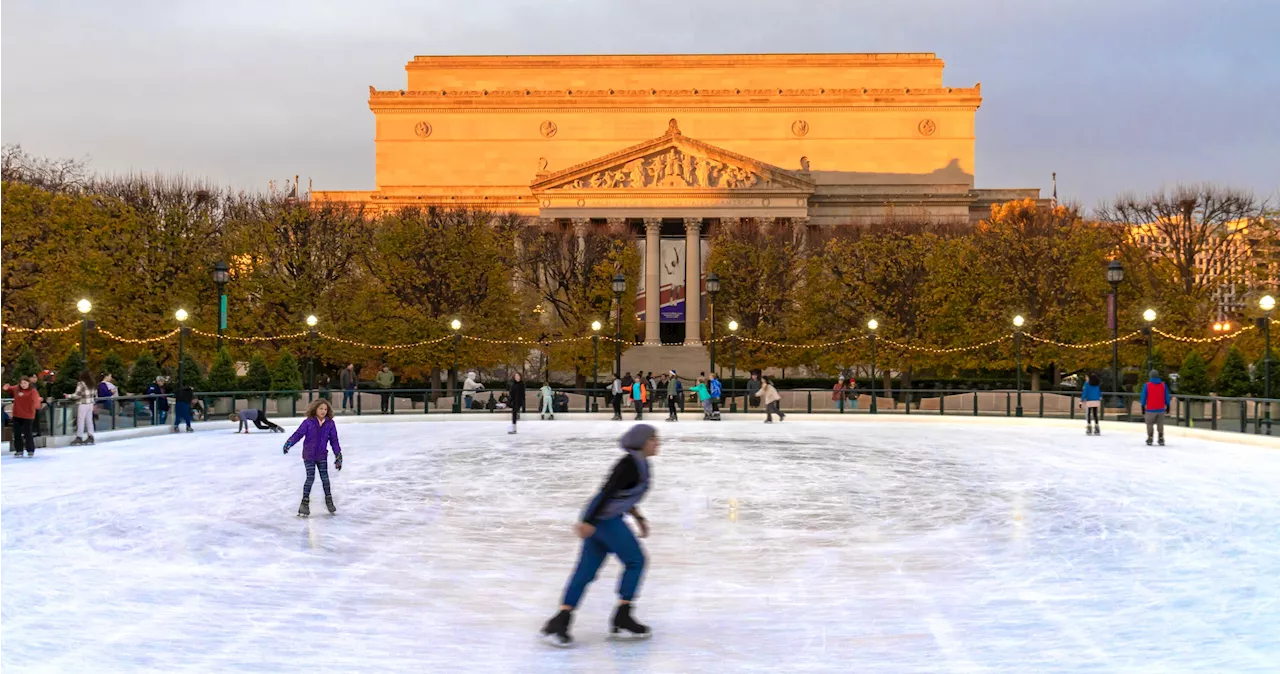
(805,546)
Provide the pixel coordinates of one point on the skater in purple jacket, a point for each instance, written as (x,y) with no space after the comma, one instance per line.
(317,432)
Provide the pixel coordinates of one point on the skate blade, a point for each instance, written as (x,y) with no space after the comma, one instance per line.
(623,635)
(554,642)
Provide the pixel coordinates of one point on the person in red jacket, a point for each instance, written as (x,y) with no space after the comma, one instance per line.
(1155,403)
(26,403)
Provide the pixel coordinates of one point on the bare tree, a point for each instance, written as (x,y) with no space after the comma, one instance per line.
(1197,236)
(54,175)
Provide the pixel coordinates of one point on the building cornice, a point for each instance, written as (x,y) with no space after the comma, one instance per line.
(968,98)
(671,61)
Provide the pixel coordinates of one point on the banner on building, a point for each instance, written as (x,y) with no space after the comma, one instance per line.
(671,275)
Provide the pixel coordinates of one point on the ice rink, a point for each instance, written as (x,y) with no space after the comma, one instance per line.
(805,546)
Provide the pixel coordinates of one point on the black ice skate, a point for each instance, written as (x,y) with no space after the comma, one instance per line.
(556,631)
(77,441)
(30,453)
(1096,430)
(328,503)
(551,418)
(1088,430)
(1148,442)
(624,626)
(89,441)
(1161,442)
(304,510)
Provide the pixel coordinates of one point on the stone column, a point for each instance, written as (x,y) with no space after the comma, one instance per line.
(800,234)
(617,226)
(652,282)
(692,282)
(764,226)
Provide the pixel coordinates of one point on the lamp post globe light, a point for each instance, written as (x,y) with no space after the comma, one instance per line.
(733,365)
(1018,322)
(619,288)
(713,287)
(181,315)
(1150,317)
(1115,274)
(84,306)
(872,326)
(595,363)
(455,325)
(311,355)
(221,274)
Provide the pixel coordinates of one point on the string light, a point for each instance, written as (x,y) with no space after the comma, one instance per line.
(382,347)
(39,331)
(148,340)
(1202,340)
(1089,345)
(294,335)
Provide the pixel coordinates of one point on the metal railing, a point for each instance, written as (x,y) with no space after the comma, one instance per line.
(1243,415)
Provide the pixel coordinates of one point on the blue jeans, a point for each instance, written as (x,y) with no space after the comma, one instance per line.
(612,535)
(348,398)
(181,414)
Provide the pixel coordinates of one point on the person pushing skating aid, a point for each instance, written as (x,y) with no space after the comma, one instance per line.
(317,432)
(603,531)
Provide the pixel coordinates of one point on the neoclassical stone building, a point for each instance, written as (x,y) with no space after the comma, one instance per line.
(673,145)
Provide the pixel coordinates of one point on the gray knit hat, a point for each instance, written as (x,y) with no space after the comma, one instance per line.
(1153,374)
(636,436)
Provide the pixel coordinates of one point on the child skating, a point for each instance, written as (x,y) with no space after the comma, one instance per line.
(516,389)
(604,531)
(259,419)
(317,432)
(1091,398)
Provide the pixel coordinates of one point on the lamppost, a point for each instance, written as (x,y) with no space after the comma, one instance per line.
(456,325)
(181,315)
(733,365)
(1150,317)
(713,287)
(595,363)
(871,326)
(1115,274)
(311,355)
(221,272)
(619,287)
(1267,303)
(84,307)
(1017,340)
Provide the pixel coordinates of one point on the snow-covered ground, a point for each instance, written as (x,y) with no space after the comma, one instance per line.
(806,546)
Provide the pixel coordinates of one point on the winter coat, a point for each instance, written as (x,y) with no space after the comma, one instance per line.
(1090,392)
(837,391)
(701,390)
(26,402)
(616,387)
(639,391)
(84,395)
(106,389)
(385,378)
(673,387)
(516,391)
(348,379)
(316,439)
(470,386)
(1155,396)
(715,388)
(769,394)
(162,402)
(186,394)
(753,388)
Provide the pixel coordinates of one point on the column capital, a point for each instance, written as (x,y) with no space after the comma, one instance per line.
(652,225)
(581,226)
(693,224)
(763,225)
(616,225)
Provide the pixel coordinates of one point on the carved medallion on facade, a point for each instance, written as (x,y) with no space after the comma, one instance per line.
(422,129)
(927,127)
(548,129)
(800,127)
(672,167)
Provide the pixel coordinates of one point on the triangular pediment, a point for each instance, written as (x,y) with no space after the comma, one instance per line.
(674,161)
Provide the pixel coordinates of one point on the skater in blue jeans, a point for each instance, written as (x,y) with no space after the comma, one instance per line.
(604,531)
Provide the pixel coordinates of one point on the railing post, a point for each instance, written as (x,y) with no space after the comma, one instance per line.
(907,404)
(942,404)
(1071,407)
(810,402)
(975,403)
(1244,417)
(1008,412)
(1213,414)
(358,397)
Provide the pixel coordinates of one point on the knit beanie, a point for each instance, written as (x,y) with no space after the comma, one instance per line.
(636,436)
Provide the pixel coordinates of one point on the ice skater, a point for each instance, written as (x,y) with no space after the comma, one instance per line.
(704,398)
(317,432)
(772,401)
(638,394)
(85,395)
(516,390)
(603,531)
(1091,399)
(548,401)
(615,389)
(673,396)
(715,388)
(1155,403)
(259,419)
(26,405)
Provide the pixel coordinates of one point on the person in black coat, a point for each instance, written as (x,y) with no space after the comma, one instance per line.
(517,400)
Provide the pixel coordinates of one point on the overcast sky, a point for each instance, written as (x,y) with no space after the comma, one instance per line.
(1113,95)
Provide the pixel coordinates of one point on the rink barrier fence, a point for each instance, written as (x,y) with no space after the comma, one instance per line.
(1219,413)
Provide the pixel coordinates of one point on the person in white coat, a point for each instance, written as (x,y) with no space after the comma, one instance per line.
(772,401)
(469,389)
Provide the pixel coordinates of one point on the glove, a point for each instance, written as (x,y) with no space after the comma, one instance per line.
(337,462)
(286,448)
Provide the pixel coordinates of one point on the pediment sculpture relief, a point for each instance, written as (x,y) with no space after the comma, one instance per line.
(672,167)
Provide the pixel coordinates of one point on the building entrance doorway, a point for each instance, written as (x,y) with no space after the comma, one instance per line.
(671,333)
